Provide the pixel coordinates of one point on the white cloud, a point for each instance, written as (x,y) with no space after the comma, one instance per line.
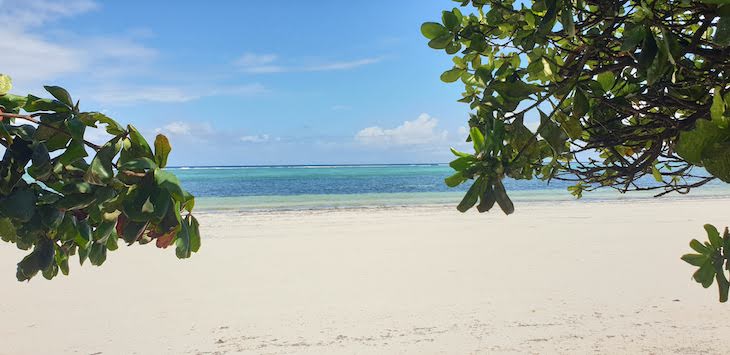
(182,129)
(41,54)
(28,13)
(267,63)
(27,58)
(169,94)
(33,58)
(343,65)
(417,132)
(259,138)
(255,60)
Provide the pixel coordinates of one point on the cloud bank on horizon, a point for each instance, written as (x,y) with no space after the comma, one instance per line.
(240,88)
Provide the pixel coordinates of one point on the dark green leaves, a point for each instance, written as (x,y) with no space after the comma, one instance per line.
(455,180)
(67,205)
(40,259)
(20,205)
(92,118)
(100,171)
(60,94)
(472,196)
(553,134)
(712,260)
(188,240)
(503,200)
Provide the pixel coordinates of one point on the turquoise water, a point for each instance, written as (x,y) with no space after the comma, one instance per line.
(317,187)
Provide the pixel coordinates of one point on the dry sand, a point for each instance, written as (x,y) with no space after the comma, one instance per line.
(571,277)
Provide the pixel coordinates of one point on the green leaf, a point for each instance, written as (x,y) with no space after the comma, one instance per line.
(39,259)
(61,95)
(91,118)
(76,128)
(705,275)
(170,183)
(566,19)
(477,139)
(459,154)
(580,104)
(20,205)
(441,42)
(717,110)
(139,164)
(716,160)
(552,134)
(162,150)
(74,152)
(632,37)
(503,200)
(135,146)
(34,103)
(462,163)
(100,170)
(487,199)
(194,233)
(6,84)
(699,247)
(450,19)
(7,230)
(691,144)
(648,50)
(455,180)
(713,235)
(695,259)
(97,254)
(657,175)
(514,90)
(471,197)
(606,79)
(432,30)
(183,243)
(452,75)
(12,103)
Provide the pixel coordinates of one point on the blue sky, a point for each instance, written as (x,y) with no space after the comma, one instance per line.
(248,82)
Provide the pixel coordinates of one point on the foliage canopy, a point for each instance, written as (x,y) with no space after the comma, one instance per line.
(57,203)
(623,90)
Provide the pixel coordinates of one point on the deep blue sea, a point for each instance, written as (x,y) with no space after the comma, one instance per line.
(343,186)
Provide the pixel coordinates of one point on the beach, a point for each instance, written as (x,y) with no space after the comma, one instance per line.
(555,277)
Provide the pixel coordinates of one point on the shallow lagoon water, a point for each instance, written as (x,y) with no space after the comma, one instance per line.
(347,186)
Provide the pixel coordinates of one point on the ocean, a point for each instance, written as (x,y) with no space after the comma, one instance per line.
(261,188)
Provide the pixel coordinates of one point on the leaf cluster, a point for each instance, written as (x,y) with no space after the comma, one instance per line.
(57,200)
(712,260)
(622,89)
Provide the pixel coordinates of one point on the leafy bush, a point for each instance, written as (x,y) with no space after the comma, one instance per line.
(58,203)
(623,89)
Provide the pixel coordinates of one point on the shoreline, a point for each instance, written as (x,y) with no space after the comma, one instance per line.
(204,209)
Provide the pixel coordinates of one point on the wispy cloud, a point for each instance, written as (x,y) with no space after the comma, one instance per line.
(39,55)
(28,13)
(253,63)
(170,94)
(259,138)
(420,131)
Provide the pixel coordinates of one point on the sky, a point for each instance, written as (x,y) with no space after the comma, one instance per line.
(248,82)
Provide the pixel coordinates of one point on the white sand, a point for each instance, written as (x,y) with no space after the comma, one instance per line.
(553,278)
